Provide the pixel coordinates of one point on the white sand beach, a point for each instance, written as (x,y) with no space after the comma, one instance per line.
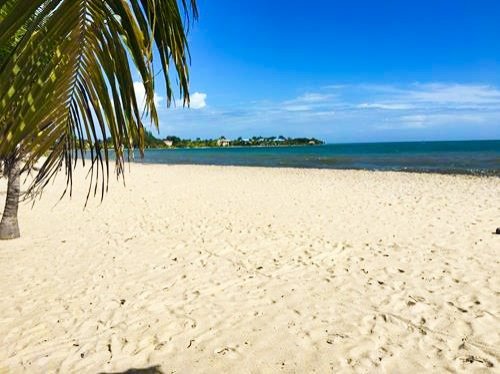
(205,269)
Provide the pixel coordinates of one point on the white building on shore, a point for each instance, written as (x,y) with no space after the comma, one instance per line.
(223,142)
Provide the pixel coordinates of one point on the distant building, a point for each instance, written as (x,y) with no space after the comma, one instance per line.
(312,142)
(223,142)
(168,143)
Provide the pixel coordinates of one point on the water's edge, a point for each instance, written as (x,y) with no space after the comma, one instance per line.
(466,157)
(474,173)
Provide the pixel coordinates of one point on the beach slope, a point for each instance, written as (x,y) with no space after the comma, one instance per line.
(249,270)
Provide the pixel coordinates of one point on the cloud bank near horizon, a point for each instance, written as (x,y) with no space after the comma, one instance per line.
(350,112)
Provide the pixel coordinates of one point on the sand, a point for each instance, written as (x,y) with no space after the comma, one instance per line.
(201,269)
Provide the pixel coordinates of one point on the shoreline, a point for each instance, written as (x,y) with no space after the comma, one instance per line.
(468,158)
(472,173)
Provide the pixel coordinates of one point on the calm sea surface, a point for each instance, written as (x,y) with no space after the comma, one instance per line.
(469,157)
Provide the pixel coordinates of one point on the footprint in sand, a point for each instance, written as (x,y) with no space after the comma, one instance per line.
(229,352)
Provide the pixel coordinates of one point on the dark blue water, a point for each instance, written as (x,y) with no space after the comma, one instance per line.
(468,157)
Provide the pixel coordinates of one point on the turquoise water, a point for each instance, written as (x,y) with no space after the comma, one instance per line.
(469,157)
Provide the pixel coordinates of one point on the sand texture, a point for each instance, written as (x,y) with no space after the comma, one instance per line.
(199,269)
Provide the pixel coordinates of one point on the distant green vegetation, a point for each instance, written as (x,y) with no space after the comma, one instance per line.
(255,141)
(150,141)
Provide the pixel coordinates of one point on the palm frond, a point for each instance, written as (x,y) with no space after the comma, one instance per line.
(68,83)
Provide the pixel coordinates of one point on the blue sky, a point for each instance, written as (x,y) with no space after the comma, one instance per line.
(343,71)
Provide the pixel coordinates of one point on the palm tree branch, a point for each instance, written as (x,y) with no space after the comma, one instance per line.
(70,83)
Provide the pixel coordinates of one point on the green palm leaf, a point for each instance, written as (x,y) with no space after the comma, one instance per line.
(68,83)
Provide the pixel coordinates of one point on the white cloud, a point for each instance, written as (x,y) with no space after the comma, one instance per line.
(385,106)
(312,98)
(198,100)
(401,106)
(325,113)
(442,118)
(353,109)
(308,102)
(400,126)
(140,94)
(428,95)
(297,108)
(422,121)
(440,93)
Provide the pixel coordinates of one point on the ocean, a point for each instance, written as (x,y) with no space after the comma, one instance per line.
(462,157)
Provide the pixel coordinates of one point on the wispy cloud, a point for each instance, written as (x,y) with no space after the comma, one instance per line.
(298,108)
(419,95)
(426,121)
(386,106)
(314,97)
(307,102)
(354,110)
(457,94)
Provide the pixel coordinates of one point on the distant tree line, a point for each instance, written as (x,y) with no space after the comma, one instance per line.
(254,141)
(150,141)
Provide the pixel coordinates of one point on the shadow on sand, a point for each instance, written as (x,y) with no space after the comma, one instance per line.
(149,370)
